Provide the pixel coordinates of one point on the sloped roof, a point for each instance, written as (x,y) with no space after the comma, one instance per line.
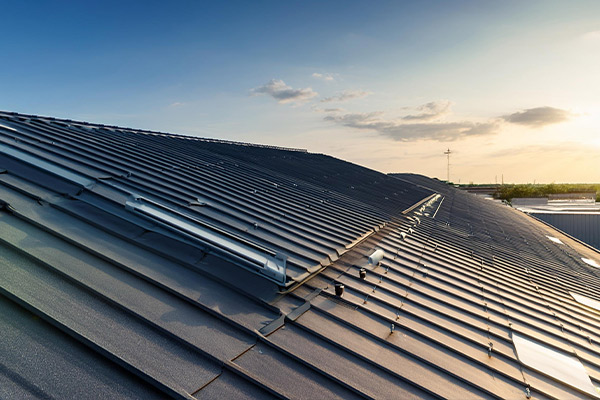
(129,269)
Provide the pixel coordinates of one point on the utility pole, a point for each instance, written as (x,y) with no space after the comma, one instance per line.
(447,153)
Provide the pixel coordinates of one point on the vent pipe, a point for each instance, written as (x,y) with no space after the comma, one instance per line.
(362,273)
(376,257)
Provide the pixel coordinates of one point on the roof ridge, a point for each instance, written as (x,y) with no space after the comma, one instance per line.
(150,132)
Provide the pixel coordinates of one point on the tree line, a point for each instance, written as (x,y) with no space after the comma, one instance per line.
(508,192)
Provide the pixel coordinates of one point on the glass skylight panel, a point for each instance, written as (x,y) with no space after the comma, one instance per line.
(591,262)
(555,240)
(558,365)
(586,301)
(240,250)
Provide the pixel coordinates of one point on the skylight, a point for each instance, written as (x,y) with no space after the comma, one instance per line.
(243,252)
(586,301)
(591,262)
(558,365)
(555,240)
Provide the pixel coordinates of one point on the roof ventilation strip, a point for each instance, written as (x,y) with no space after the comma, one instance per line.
(246,254)
(47,166)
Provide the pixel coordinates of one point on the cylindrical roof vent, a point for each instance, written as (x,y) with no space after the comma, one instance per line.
(376,257)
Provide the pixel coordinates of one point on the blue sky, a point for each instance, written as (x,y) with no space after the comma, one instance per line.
(511,87)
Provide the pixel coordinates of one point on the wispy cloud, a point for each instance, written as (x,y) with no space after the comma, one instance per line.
(424,125)
(593,36)
(554,150)
(346,95)
(538,117)
(177,104)
(430,111)
(400,130)
(328,110)
(325,77)
(283,93)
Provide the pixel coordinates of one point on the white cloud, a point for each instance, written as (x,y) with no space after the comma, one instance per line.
(400,130)
(538,117)
(346,95)
(325,77)
(430,111)
(427,124)
(283,93)
(423,125)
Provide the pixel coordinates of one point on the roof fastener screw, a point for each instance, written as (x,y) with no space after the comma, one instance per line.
(528,391)
(362,273)
(365,300)
(339,289)
(491,346)
(392,327)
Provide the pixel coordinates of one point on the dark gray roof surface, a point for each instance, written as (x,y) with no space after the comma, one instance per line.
(100,300)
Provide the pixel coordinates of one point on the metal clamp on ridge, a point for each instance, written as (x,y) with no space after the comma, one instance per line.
(244,253)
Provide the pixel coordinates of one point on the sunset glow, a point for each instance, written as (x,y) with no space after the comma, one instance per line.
(512,87)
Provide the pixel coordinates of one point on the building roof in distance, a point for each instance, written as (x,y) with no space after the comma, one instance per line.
(145,264)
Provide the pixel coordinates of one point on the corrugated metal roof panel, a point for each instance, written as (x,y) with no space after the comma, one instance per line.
(160,313)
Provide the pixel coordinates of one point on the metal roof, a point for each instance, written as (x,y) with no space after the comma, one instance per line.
(101,297)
